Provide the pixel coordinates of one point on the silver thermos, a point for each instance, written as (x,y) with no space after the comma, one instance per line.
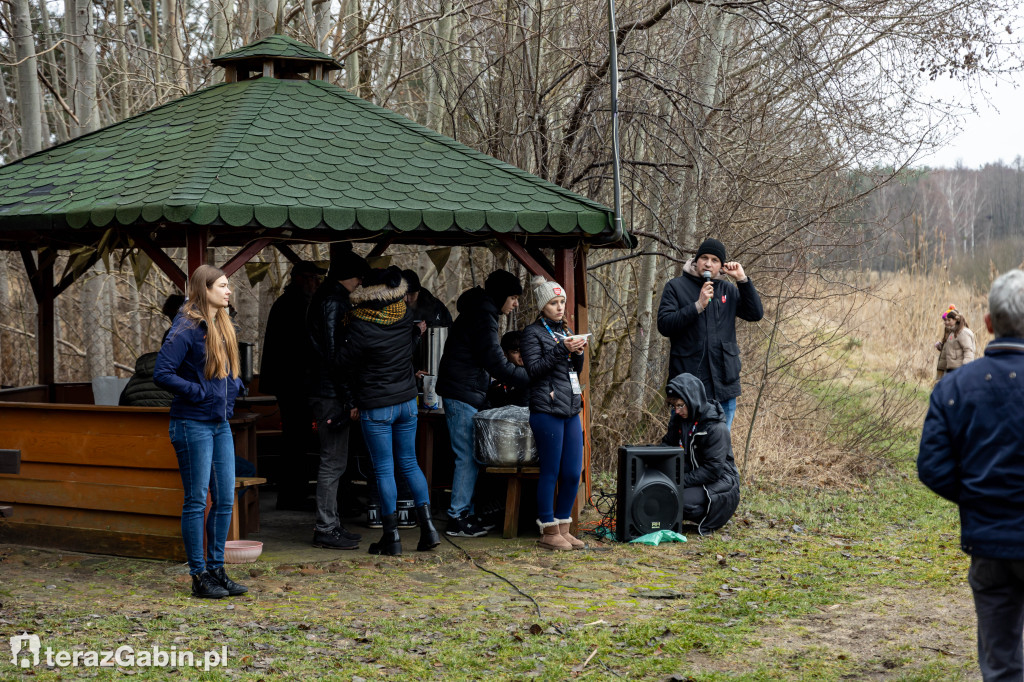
(436,336)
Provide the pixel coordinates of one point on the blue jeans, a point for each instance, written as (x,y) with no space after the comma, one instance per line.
(459,416)
(390,435)
(560,449)
(729,407)
(206,461)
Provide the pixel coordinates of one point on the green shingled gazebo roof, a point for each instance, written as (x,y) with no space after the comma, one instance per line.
(277,46)
(280,153)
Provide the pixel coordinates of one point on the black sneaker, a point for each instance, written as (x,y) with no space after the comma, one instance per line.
(464,527)
(222,579)
(333,540)
(205,587)
(347,534)
(483,522)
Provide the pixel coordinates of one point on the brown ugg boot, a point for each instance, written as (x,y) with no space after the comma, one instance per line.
(563,530)
(550,538)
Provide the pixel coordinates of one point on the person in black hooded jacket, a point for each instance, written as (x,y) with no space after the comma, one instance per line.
(711,483)
(553,358)
(472,357)
(376,358)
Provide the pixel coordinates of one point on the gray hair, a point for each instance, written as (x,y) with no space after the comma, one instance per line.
(1006,304)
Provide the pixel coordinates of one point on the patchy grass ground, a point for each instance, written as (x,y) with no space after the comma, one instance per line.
(803,584)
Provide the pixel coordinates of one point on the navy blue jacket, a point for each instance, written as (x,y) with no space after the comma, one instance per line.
(704,343)
(180,369)
(972,449)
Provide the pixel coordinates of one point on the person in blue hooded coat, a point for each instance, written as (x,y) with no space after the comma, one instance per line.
(711,483)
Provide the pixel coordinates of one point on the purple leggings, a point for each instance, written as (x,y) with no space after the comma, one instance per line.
(560,448)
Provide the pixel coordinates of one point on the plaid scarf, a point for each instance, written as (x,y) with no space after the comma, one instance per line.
(389,314)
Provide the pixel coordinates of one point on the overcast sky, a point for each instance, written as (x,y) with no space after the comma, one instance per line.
(995,132)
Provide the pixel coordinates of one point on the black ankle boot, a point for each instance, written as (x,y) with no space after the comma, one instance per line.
(205,586)
(222,579)
(429,539)
(389,543)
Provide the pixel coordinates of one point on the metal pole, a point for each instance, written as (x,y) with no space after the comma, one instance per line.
(614,81)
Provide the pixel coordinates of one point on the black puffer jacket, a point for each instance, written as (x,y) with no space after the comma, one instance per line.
(325,321)
(704,343)
(472,353)
(376,357)
(141,390)
(709,460)
(548,363)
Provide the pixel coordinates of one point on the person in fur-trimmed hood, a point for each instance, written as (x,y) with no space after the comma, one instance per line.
(711,483)
(376,356)
(698,312)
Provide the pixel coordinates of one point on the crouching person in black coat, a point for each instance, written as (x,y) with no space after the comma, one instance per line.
(712,484)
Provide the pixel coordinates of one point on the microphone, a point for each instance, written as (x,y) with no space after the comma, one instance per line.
(707,275)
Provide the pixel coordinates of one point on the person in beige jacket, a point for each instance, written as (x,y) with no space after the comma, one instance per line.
(957,345)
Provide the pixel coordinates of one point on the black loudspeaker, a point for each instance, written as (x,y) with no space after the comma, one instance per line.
(650,490)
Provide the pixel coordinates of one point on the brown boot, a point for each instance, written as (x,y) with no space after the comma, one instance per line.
(563,530)
(550,538)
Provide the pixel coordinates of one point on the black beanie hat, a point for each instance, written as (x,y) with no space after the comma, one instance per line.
(346,265)
(413,280)
(713,247)
(501,284)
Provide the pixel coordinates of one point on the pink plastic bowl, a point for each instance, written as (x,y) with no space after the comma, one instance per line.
(242,551)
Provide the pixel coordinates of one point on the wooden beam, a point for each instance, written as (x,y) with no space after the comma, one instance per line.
(539,256)
(197,238)
(245,255)
(162,261)
(45,321)
(31,270)
(287,252)
(565,276)
(10,461)
(582,327)
(520,253)
(380,247)
(70,278)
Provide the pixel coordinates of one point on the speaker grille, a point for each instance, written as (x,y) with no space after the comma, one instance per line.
(655,505)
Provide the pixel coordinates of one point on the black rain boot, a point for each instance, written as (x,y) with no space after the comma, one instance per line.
(429,539)
(233,588)
(389,544)
(205,586)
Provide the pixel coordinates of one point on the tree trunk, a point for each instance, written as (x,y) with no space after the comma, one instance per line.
(86,105)
(222,12)
(29,97)
(97,326)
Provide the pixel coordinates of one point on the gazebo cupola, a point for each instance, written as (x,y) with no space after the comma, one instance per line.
(276,57)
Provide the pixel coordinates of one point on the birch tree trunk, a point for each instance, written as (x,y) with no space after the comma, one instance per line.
(96,323)
(350,19)
(29,97)
(222,16)
(86,105)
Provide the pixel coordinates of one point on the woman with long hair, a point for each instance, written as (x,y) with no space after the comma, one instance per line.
(553,357)
(199,364)
(957,346)
(376,356)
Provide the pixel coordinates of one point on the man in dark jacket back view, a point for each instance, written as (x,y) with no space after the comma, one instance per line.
(698,312)
(284,367)
(330,399)
(472,356)
(972,453)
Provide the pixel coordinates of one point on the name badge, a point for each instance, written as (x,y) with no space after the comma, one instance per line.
(574,381)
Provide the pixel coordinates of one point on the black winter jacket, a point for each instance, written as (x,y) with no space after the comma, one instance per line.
(548,363)
(429,309)
(376,359)
(704,343)
(141,390)
(709,460)
(473,355)
(325,322)
(287,349)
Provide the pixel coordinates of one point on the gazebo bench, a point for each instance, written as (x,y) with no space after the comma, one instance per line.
(515,475)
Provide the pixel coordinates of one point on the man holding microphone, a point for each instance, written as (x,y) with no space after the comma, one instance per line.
(698,312)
